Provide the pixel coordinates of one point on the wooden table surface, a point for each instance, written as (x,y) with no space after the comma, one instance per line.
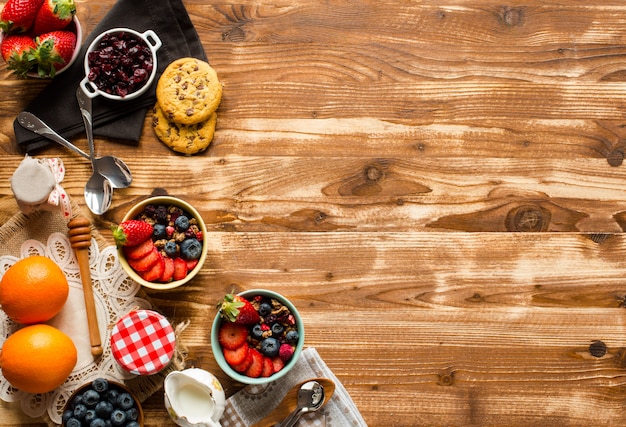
(437,186)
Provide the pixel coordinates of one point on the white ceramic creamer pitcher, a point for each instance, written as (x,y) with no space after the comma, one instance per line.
(194,398)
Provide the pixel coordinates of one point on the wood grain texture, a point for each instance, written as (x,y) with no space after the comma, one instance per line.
(437,186)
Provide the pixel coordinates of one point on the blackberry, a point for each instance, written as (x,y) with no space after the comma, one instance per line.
(160,214)
(149,210)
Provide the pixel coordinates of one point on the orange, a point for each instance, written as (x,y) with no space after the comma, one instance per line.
(33,290)
(37,358)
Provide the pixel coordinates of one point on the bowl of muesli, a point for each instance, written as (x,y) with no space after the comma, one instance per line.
(174,253)
(262,341)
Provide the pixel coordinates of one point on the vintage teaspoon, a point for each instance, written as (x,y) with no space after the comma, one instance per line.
(310,399)
(113,168)
(98,190)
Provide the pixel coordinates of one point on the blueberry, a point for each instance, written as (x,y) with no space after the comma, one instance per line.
(100,385)
(67,414)
(73,422)
(90,415)
(77,400)
(170,248)
(270,346)
(125,401)
(292,336)
(91,398)
(265,309)
(277,329)
(112,396)
(98,422)
(158,232)
(132,424)
(257,332)
(118,417)
(104,409)
(80,411)
(132,414)
(182,223)
(191,249)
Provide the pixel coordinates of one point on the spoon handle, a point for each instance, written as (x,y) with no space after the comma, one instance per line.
(293,418)
(80,239)
(34,124)
(84,104)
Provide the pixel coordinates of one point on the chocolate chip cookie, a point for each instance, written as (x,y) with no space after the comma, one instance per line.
(188,91)
(185,139)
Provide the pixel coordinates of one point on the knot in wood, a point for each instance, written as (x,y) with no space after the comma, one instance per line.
(615,158)
(512,16)
(373,173)
(528,218)
(597,349)
(446,378)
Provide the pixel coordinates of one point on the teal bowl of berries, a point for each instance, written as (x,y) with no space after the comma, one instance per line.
(257,336)
(102,403)
(161,242)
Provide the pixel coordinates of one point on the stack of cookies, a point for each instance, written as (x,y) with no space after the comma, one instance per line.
(188,94)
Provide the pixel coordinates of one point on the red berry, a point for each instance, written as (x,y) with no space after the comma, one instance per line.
(145,263)
(256,368)
(285,352)
(156,271)
(232,335)
(180,269)
(17,16)
(168,270)
(268,367)
(236,356)
(138,251)
(131,232)
(54,15)
(243,366)
(235,308)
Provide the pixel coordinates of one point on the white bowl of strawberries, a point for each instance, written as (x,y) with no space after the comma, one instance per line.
(39,38)
(161,242)
(257,336)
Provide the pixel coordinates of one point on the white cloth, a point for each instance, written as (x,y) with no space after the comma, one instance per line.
(254,402)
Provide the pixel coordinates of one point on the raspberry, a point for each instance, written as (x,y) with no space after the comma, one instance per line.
(285,352)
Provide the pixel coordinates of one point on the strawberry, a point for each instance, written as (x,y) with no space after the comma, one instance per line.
(168,270)
(256,368)
(54,15)
(131,232)
(17,16)
(232,335)
(146,263)
(191,264)
(243,366)
(180,269)
(138,251)
(54,51)
(156,271)
(17,53)
(278,363)
(236,356)
(238,309)
(268,367)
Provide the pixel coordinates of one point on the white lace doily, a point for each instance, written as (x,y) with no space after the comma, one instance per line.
(115,295)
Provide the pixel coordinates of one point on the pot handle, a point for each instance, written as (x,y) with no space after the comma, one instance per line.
(152,39)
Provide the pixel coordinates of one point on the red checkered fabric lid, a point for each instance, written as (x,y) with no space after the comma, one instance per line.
(143,342)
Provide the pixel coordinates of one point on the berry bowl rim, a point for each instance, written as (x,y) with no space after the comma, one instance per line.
(79,43)
(165,200)
(219,355)
(149,37)
(140,417)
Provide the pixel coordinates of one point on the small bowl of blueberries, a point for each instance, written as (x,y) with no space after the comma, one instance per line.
(102,403)
(121,64)
(177,249)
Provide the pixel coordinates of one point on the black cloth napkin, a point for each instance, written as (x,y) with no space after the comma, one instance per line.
(121,120)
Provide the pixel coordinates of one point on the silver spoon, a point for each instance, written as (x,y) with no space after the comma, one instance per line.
(113,168)
(310,399)
(98,190)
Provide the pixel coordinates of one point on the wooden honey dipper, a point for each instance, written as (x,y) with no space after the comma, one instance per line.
(80,238)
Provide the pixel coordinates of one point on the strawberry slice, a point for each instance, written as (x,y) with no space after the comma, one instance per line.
(243,366)
(256,368)
(168,270)
(278,363)
(156,271)
(138,251)
(191,264)
(268,367)
(145,263)
(232,335)
(180,269)
(236,356)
